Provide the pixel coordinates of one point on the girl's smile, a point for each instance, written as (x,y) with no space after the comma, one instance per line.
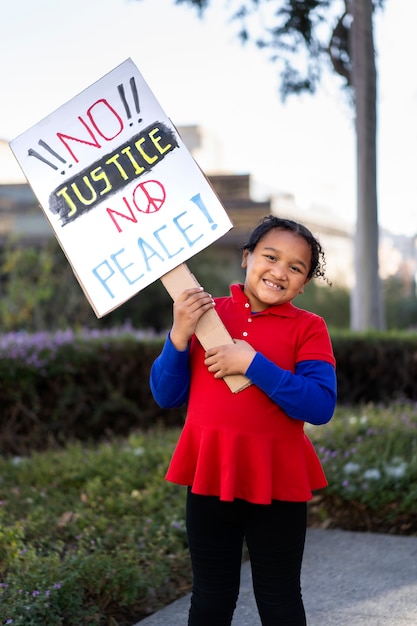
(277,269)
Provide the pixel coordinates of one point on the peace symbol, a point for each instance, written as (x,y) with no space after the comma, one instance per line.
(149,196)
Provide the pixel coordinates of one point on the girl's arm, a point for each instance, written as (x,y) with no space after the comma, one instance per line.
(170,376)
(170,373)
(309,394)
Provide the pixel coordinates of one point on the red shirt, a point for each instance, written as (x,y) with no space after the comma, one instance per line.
(243,445)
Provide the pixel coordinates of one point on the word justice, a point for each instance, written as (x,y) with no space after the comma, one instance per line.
(160,246)
(112,172)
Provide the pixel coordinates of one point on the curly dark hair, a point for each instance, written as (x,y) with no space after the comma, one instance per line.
(318,260)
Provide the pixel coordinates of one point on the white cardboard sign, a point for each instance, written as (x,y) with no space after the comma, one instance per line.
(123,195)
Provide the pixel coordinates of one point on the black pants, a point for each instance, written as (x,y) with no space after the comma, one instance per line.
(275,536)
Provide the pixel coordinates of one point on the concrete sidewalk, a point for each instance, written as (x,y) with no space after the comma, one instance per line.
(348,579)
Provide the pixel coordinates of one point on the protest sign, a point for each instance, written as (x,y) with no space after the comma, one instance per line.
(124,197)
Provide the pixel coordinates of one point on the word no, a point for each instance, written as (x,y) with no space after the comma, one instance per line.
(112,172)
(92,132)
(147,197)
(158,248)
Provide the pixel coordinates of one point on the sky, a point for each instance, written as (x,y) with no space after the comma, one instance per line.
(51,50)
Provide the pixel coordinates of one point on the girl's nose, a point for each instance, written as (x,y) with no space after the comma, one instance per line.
(279,271)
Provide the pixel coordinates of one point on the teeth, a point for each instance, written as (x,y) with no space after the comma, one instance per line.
(270,284)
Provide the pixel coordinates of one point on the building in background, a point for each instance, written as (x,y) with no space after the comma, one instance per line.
(21,216)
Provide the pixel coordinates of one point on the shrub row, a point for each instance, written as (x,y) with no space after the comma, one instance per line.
(92,535)
(64,386)
(376,367)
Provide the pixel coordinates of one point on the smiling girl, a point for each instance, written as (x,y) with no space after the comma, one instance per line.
(248,465)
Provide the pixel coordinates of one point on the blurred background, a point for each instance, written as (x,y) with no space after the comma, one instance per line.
(294,158)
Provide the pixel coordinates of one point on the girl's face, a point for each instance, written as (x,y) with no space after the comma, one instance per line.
(277,269)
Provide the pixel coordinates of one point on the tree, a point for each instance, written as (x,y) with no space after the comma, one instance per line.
(367,309)
(305,37)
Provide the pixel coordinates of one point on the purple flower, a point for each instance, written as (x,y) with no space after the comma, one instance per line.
(40,348)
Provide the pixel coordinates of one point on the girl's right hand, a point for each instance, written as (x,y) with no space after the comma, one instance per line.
(188,309)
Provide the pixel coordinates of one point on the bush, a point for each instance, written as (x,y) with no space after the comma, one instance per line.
(62,386)
(91,533)
(40,292)
(375,366)
(370,459)
(94,535)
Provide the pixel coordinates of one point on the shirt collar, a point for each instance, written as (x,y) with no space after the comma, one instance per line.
(283,310)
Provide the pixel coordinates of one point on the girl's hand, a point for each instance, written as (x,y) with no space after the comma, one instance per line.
(188,309)
(230,359)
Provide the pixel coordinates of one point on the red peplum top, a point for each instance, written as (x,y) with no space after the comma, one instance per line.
(244,445)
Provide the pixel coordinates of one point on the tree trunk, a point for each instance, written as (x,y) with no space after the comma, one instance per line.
(367,309)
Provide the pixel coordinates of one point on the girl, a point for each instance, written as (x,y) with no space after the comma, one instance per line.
(248,465)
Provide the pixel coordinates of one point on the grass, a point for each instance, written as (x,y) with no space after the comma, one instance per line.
(94,535)
(90,533)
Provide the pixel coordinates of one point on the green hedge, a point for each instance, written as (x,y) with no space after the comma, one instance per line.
(65,386)
(76,387)
(376,367)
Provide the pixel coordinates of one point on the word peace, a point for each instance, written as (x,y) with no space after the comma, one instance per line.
(160,246)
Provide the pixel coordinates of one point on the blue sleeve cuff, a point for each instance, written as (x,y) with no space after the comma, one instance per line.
(173,359)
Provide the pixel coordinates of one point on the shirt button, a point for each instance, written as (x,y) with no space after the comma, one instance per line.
(249,319)
(245,334)
(247,305)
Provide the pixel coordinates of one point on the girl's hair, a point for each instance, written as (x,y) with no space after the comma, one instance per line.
(318,260)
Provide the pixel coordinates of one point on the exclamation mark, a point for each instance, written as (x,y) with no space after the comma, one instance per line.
(37,155)
(135,95)
(199,202)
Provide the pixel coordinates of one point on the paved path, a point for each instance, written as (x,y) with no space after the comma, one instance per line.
(348,579)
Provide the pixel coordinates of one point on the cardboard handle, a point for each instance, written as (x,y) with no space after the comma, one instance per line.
(210,330)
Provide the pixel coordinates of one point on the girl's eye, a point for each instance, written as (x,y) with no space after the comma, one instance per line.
(295,268)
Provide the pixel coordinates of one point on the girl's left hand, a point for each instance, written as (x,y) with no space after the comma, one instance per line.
(230,359)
